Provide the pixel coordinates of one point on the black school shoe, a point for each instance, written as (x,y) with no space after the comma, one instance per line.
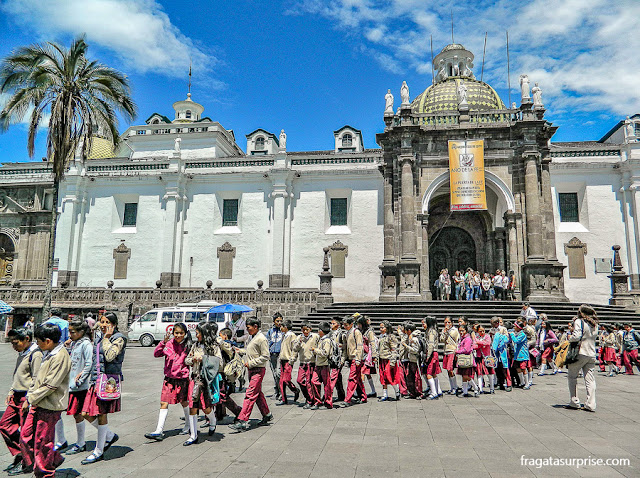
(109,443)
(16,461)
(265,419)
(154,436)
(20,469)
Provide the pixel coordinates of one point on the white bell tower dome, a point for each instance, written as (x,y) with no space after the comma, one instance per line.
(187,111)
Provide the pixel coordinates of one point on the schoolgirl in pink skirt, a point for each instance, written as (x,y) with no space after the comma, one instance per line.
(466,348)
(175,386)
(388,361)
(482,349)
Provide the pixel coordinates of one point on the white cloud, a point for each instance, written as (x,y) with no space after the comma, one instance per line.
(582,52)
(139,32)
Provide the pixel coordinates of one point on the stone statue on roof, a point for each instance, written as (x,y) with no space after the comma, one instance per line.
(176,145)
(404,93)
(462,94)
(283,139)
(629,130)
(536,92)
(524,87)
(388,108)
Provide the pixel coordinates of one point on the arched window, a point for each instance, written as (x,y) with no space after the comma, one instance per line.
(188,114)
(155,121)
(347,140)
(259,143)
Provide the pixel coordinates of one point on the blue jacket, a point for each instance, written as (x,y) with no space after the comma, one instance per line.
(63,325)
(521,349)
(499,348)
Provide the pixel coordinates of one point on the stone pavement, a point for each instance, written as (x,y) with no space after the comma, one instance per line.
(483,437)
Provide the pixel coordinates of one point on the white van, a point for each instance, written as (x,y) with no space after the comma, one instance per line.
(151,327)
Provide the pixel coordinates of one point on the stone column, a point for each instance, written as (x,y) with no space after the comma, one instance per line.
(499,242)
(491,256)
(535,249)
(549,222)
(425,289)
(277,276)
(511,219)
(407,226)
(388,215)
(168,274)
(408,267)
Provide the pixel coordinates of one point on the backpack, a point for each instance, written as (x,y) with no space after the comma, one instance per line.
(422,354)
(335,357)
(234,368)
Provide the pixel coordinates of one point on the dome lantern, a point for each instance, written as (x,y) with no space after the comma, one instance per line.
(187,111)
(453,61)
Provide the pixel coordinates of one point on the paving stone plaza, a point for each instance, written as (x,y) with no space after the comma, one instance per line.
(472,437)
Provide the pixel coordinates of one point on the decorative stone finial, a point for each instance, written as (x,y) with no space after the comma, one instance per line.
(325,263)
(158,284)
(617,262)
(110,284)
(209,284)
(260,284)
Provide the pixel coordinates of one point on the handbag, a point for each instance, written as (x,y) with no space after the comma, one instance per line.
(464,361)
(490,361)
(534,352)
(107,385)
(573,350)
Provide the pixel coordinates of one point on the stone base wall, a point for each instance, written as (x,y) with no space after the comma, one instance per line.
(128,303)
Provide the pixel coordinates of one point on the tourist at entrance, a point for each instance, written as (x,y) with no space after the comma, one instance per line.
(458,283)
(468,284)
(584,331)
(477,285)
(486,287)
(26,369)
(511,287)
(498,286)
(444,283)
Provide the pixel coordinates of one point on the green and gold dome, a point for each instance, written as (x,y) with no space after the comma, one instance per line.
(443,97)
(453,67)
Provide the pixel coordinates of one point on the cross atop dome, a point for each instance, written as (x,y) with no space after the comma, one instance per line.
(453,61)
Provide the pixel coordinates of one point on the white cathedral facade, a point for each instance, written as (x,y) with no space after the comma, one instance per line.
(181,202)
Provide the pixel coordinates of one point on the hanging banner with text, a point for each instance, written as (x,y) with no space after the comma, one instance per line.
(466,175)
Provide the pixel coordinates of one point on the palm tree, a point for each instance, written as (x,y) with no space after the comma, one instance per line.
(81,97)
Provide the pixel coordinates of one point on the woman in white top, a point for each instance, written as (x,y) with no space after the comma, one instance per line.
(584,330)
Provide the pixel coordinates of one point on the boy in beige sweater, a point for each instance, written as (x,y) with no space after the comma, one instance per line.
(46,399)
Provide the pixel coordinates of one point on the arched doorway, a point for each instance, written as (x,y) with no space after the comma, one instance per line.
(452,248)
(7,251)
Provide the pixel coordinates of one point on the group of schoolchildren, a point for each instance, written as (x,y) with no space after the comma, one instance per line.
(472,285)
(70,367)
(619,346)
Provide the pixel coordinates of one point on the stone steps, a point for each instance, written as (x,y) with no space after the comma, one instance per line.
(482,311)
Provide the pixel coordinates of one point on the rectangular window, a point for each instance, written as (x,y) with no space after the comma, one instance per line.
(130,214)
(172,316)
(338,211)
(230,212)
(568,203)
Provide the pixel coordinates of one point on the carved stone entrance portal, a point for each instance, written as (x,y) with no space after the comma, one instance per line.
(451,248)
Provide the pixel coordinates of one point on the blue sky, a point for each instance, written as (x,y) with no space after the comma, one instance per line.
(312,66)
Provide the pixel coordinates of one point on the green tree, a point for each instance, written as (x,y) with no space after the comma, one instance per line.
(80,98)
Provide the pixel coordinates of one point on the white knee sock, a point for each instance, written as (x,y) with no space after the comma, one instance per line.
(543,367)
(95,425)
(101,440)
(186,419)
(385,394)
(162,417)
(371,385)
(80,431)
(530,377)
(193,426)
(212,419)
(492,381)
(432,386)
(522,380)
(465,387)
(452,383)
(438,389)
(475,385)
(396,390)
(60,438)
